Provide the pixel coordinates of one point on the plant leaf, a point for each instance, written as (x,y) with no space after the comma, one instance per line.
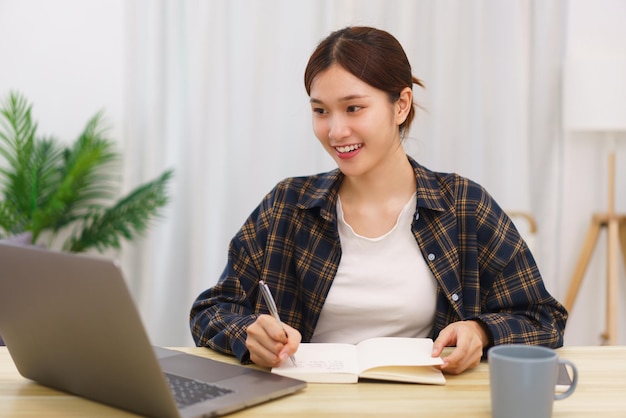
(47,187)
(11,221)
(17,130)
(32,163)
(127,219)
(83,180)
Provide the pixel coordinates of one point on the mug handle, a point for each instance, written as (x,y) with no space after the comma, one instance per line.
(570,390)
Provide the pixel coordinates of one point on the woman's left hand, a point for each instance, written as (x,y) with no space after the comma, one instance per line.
(470,339)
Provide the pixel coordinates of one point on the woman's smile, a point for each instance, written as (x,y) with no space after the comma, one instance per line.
(348,151)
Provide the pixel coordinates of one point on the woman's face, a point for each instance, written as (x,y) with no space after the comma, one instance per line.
(355,122)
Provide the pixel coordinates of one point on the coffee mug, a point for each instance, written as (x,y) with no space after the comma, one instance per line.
(523,380)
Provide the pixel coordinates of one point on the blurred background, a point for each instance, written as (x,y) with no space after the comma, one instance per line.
(214,90)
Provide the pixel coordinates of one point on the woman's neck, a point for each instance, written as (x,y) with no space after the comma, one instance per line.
(393,180)
(371,204)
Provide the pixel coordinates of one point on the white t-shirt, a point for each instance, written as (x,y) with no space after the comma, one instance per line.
(383,287)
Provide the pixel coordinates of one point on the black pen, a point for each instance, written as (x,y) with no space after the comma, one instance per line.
(269,301)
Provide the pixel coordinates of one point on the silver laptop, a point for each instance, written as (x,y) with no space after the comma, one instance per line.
(69,322)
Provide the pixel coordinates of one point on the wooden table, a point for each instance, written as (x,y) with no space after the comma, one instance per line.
(601,392)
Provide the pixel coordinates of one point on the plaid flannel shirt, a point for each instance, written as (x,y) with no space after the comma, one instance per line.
(484,269)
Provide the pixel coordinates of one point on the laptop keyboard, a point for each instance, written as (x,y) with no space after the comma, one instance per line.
(189,391)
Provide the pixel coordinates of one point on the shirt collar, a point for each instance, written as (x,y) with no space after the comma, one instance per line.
(323,190)
(322,194)
(429,192)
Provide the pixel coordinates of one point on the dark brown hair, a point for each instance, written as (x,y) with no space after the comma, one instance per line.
(372,55)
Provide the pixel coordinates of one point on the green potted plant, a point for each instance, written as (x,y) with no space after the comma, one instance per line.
(51,192)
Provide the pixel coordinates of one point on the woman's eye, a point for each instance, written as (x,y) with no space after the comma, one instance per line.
(319,110)
(354,108)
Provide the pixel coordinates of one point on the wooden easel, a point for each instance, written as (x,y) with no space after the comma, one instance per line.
(616,227)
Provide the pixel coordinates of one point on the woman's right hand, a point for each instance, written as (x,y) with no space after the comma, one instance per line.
(271,343)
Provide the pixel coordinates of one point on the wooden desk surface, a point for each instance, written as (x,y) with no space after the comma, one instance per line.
(601,392)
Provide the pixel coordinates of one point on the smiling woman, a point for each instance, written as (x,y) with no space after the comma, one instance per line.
(359,126)
(379,247)
(351,51)
(172,77)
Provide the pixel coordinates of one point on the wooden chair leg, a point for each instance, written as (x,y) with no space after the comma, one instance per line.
(583,261)
(612,277)
(622,237)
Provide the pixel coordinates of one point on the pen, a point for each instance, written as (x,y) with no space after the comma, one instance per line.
(269,301)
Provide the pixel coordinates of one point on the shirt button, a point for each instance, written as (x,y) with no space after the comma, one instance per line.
(417,216)
(431,256)
(455,297)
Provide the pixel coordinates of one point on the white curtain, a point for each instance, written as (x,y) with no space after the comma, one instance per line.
(214,90)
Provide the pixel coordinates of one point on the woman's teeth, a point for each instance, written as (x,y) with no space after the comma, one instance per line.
(348,148)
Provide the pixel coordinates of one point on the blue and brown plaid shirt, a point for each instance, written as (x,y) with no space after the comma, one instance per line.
(484,269)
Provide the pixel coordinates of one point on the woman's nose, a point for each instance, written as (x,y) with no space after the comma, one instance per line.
(339,129)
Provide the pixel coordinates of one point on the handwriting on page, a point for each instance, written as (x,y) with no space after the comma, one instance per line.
(331,365)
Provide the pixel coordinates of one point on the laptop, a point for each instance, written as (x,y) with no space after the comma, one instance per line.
(69,322)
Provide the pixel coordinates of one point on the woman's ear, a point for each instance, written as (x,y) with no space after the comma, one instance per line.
(403,105)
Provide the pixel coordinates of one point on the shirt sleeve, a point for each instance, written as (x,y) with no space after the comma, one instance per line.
(220,315)
(289,241)
(517,308)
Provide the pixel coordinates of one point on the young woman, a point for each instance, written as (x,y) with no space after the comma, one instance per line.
(381,246)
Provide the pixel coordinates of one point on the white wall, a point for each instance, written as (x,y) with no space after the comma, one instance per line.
(594,27)
(67,58)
